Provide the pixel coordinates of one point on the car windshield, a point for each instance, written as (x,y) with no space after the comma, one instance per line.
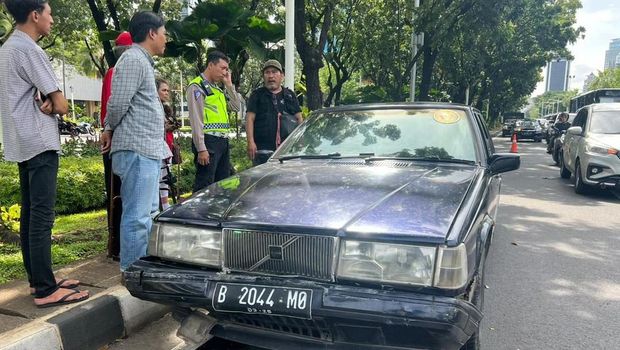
(605,122)
(401,133)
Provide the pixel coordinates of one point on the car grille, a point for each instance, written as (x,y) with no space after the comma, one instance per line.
(317,328)
(280,253)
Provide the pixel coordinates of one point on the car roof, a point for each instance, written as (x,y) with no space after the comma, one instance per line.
(606,106)
(393,105)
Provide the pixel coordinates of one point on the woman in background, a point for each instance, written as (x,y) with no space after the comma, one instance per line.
(170,125)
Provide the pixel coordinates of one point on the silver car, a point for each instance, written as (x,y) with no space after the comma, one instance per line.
(591,148)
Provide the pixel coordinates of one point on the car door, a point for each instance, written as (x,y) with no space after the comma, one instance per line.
(580,141)
(571,142)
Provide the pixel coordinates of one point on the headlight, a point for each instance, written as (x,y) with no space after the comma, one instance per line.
(195,245)
(389,263)
(600,149)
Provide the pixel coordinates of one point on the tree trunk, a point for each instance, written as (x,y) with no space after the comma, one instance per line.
(101,26)
(311,53)
(430,57)
(314,95)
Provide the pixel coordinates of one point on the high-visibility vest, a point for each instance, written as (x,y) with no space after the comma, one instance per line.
(215,113)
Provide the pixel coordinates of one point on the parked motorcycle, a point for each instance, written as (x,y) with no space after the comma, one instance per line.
(67,127)
(86,128)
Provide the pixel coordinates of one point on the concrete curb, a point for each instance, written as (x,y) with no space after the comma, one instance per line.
(88,325)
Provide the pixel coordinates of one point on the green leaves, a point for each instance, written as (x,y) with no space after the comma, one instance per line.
(6,24)
(609,78)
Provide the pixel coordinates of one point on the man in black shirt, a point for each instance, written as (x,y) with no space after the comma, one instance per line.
(267,111)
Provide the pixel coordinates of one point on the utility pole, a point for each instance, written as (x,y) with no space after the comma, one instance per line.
(289,45)
(414,52)
(181,90)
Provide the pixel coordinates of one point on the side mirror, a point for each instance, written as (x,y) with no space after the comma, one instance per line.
(574,130)
(503,162)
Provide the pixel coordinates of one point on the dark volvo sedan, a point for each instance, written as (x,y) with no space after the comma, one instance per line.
(367,229)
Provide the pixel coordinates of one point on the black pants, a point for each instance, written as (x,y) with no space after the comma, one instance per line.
(261,158)
(37,182)
(114,208)
(219,162)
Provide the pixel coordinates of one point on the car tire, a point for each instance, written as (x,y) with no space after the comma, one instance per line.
(580,186)
(556,155)
(564,172)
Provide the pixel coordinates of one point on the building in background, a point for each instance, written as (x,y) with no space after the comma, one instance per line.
(589,79)
(79,90)
(611,55)
(557,75)
(188,7)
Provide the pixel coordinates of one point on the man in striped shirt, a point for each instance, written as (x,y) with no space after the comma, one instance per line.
(29,100)
(134,133)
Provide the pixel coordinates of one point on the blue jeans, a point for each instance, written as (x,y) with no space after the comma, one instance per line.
(140,195)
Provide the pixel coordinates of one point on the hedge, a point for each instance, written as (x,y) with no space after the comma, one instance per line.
(80,179)
(80,184)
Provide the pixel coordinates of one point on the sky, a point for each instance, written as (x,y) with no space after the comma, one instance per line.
(601,19)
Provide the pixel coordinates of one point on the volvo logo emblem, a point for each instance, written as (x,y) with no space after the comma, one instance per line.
(276,252)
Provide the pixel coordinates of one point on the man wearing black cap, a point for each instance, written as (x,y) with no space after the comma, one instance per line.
(271,109)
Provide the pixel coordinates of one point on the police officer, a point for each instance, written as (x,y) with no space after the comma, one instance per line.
(208,106)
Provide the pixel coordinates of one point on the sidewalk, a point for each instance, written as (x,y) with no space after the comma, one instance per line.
(110,312)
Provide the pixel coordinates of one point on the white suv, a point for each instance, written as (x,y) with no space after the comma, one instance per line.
(591,149)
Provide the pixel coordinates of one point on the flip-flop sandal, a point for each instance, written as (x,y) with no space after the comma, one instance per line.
(64,301)
(68,286)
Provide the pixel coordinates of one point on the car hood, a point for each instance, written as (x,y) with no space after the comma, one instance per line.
(612,140)
(337,197)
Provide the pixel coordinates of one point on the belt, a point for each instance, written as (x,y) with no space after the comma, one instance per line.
(217,134)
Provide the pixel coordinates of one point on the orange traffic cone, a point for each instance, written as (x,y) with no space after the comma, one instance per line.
(513,147)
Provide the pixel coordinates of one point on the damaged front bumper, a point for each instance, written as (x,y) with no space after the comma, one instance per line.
(342,316)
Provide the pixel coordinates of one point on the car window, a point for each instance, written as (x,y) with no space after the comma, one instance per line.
(443,133)
(580,118)
(605,122)
(488,140)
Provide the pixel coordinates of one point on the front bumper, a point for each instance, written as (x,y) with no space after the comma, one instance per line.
(343,317)
(600,170)
(529,135)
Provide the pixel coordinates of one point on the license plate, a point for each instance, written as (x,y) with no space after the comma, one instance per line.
(253,299)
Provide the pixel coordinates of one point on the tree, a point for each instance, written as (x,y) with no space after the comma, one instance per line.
(117,14)
(313,19)
(609,78)
(227,26)
(550,102)
(6,24)
(340,53)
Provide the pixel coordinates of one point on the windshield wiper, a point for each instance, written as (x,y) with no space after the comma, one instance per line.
(424,159)
(310,156)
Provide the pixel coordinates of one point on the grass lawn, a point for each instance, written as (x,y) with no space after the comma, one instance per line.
(75,237)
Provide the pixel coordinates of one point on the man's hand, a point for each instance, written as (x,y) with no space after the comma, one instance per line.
(106,141)
(46,107)
(203,158)
(227,80)
(251,150)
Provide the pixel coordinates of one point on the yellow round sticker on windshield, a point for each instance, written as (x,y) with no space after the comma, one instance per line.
(445,116)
